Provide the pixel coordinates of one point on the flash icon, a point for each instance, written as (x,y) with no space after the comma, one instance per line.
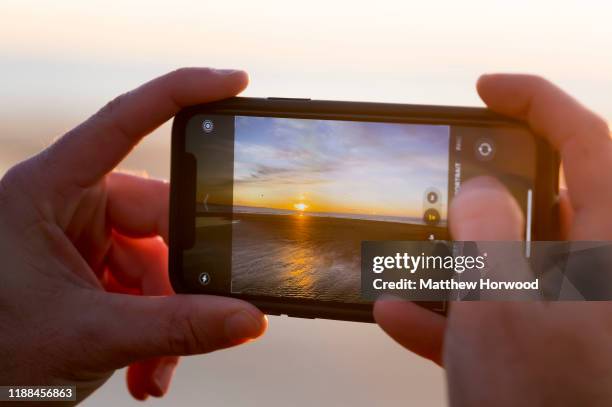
(204,278)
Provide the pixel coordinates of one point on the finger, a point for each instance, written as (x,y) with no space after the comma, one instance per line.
(84,155)
(151,377)
(143,264)
(582,138)
(136,206)
(566,215)
(415,328)
(137,388)
(485,211)
(112,285)
(140,263)
(134,328)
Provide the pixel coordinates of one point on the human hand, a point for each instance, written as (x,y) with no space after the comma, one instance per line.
(529,353)
(84,287)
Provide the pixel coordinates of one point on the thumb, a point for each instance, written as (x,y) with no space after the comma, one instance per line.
(132,328)
(485,210)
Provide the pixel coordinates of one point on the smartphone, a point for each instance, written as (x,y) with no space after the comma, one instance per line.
(271,198)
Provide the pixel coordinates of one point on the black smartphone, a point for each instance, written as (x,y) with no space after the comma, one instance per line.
(271,198)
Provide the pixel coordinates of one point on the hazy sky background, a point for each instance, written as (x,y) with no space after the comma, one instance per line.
(62,60)
(339,166)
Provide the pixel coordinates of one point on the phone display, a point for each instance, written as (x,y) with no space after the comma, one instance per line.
(281,203)
(307,192)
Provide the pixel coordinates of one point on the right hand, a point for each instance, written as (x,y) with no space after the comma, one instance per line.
(527,353)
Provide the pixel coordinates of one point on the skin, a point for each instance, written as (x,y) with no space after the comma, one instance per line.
(528,353)
(84,285)
(84,288)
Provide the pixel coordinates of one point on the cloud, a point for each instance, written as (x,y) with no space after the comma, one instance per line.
(346,161)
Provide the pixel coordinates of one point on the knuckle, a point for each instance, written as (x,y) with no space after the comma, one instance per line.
(185,335)
(4,194)
(186,71)
(24,193)
(105,120)
(113,106)
(599,125)
(536,84)
(46,162)
(5,183)
(11,178)
(16,180)
(163,188)
(538,81)
(89,338)
(179,72)
(594,128)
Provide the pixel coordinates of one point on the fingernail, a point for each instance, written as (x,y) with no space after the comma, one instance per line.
(162,376)
(226,71)
(484,181)
(243,325)
(389,297)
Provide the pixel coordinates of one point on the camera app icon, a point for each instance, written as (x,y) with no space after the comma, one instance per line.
(432,206)
(432,197)
(208,126)
(204,278)
(431,217)
(485,149)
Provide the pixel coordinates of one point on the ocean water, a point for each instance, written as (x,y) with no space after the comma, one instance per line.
(289,256)
(380,218)
(299,255)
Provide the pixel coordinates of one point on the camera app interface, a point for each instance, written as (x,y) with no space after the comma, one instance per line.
(307,192)
(284,203)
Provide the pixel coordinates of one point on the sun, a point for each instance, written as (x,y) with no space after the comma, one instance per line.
(300,206)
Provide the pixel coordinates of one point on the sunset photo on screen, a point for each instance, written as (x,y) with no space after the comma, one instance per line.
(307,192)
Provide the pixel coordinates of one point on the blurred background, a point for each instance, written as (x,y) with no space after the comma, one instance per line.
(60,61)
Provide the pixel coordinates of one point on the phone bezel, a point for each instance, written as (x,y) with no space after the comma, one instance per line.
(545,216)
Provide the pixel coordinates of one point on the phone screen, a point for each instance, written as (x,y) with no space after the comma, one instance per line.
(282,204)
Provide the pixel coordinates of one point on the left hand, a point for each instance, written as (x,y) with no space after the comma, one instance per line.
(84,287)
